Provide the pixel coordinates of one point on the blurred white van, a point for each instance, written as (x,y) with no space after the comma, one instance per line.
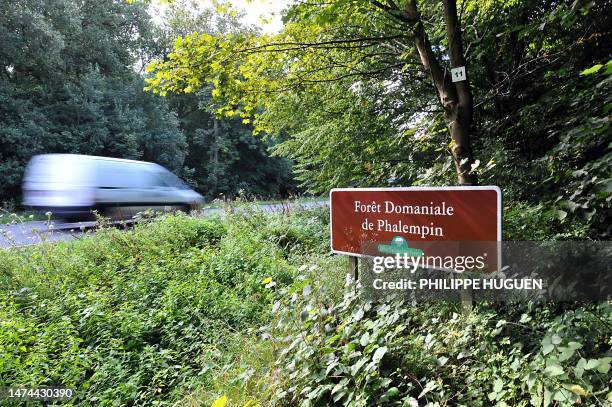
(72,186)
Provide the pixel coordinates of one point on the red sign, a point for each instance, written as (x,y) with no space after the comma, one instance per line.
(367,221)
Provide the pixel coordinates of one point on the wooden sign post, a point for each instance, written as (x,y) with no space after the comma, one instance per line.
(353,267)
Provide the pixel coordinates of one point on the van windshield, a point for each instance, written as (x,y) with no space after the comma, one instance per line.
(171,180)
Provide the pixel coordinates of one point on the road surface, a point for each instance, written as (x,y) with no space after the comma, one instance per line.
(28,233)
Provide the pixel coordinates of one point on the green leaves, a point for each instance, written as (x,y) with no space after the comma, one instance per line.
(601,365)
(553,369)
(319,84)
(498,390)
(171,303)
(548,343)
(389,352)
(365,339)
(596,68)
(205,274)
(592,70)
(378,354)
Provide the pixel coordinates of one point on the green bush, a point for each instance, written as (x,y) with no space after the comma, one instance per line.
(252,307)
(353,352)
(140,316)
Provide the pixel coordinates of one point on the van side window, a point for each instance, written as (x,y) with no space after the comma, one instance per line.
(116,174)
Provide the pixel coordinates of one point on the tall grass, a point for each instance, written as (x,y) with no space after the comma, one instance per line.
(150,315)
(251,308)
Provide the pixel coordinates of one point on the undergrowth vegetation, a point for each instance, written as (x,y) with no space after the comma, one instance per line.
(250,309)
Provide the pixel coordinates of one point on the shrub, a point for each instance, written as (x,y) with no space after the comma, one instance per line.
(137,317)
(193,310)
(354,352)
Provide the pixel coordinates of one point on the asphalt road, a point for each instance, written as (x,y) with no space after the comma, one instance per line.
(29,233)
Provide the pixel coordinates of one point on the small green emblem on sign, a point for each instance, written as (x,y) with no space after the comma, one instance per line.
(399,245)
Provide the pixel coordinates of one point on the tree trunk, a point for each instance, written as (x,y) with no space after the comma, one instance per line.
(459,115)
(214,156)
(455,97)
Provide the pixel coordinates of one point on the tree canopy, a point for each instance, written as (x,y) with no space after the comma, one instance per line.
(360,93)
(223,157)
(68,83)
(72,79)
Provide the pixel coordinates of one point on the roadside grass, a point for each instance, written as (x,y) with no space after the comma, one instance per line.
(251,308)
(241,202)
(145,316)
(7,217)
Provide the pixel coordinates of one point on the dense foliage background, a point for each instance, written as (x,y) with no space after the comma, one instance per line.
(344,88)
(71,81)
